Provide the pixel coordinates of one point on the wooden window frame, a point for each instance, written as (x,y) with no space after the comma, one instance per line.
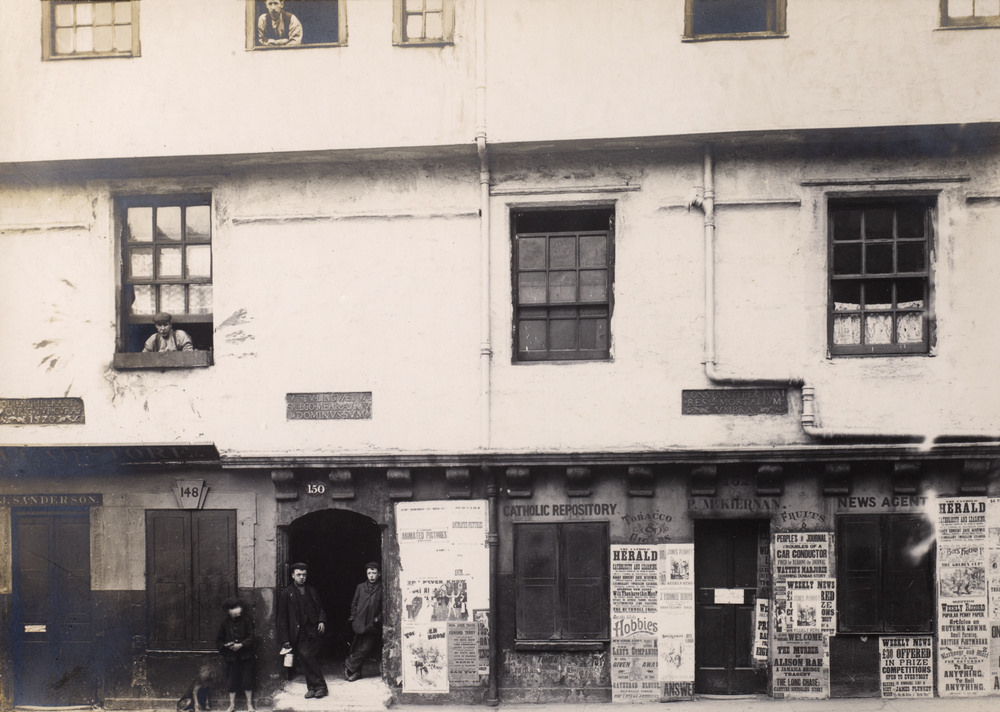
(967,21)
(128,352)
(877,582)
(49,29)
(251,28)
(894,278)
(399,13)
(550,311)
(563,633)
(198,604)
(776,24)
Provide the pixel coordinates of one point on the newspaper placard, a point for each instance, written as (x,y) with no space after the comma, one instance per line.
(634,623)
(761,630)
(802,665)
(676,609)
(444,565)
(963,631)
(907,666)
(993,588)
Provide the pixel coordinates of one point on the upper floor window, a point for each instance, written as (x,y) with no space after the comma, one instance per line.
(285,24)
(880,286)
(84,28)
(563,276)
(728,18)
(970,13)
(423,22)
(166,271)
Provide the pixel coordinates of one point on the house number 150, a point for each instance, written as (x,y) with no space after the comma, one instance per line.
(315,488)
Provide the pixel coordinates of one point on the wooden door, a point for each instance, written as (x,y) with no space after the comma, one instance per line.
(54,661)
(725,577)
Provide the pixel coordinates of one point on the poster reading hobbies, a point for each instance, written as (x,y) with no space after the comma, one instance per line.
(804,614)
(634,623)
(676,610)
(444,585)
(963,630)
(907,666)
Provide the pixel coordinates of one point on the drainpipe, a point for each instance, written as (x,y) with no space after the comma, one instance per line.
(706,203)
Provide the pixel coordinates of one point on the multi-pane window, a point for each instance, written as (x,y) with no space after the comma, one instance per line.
(561,576)
(885,573)
(167,266)
(880,286)
(284,24)
(563,278)
(722,18)
(423,21)
(970,13)
(84,28)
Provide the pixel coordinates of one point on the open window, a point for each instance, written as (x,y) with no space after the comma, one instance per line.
(166,248)
(722,19)
(293,24)
(75,29)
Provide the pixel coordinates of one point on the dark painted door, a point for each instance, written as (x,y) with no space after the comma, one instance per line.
(725,578)
(54,661)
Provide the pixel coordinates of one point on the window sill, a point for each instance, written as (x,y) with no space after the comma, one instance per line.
(108,55)
(168,359)
(550,645)
(737,36)
(309,45)
(971,26)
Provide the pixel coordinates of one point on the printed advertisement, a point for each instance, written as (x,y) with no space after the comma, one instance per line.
(676,607)
(761,628)
(804,614)
(634,623)
(444,577)
(963,630)
(993,588)
(907,666)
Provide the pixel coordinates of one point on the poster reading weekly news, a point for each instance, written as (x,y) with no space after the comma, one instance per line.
(444,581)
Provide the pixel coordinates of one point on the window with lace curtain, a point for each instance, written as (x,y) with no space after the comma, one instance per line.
(166,248)
(880,276)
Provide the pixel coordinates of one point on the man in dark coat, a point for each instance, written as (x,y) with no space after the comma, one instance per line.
(301,624)
(366,621)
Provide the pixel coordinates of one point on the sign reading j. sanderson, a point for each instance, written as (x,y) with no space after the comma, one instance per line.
(328,406)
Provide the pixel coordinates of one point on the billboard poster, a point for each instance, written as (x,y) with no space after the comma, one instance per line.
(761,628)
(993,588)
(444,579)
(963,625)
(907,666)
(634,622)
(676,617)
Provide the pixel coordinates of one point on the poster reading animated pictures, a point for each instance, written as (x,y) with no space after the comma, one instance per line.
(652,622)
(444,586)
(963,630)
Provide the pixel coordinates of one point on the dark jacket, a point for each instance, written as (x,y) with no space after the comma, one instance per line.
(366,608)
(236,630)
(298,613)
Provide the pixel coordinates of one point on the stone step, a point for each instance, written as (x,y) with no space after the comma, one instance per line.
(369,694)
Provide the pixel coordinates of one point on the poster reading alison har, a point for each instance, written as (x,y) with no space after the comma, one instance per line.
(444,580)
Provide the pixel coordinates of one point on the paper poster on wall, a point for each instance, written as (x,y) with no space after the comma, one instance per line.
(963,625)
(761,628)
(676,615)
(907,666)
(993,587)
(634,622)
(444,578)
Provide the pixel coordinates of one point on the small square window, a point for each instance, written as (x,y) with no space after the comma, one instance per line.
(562,284)
(970,13)
(290,24)
(88,28)
(423,22)
(734,18)
(880,286)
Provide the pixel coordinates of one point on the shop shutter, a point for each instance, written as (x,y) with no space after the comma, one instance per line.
(536,550)
(585,564)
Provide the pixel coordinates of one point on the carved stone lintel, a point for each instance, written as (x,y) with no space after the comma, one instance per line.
(284,485)
(578,482)
(704,480)
(459,482)
(769,481)
(341,484)
(837,479)
(518,481)
(400,483)
(640,481)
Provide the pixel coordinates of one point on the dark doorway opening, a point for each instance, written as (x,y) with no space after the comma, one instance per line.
(336,544)
(726,575)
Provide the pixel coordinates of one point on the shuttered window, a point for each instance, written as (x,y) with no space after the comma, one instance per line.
(561,572)
(191,571)
(885,568)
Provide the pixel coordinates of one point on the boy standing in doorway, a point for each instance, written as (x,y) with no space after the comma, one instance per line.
(366,621)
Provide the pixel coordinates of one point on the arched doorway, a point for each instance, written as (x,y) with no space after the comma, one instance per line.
(336,544)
